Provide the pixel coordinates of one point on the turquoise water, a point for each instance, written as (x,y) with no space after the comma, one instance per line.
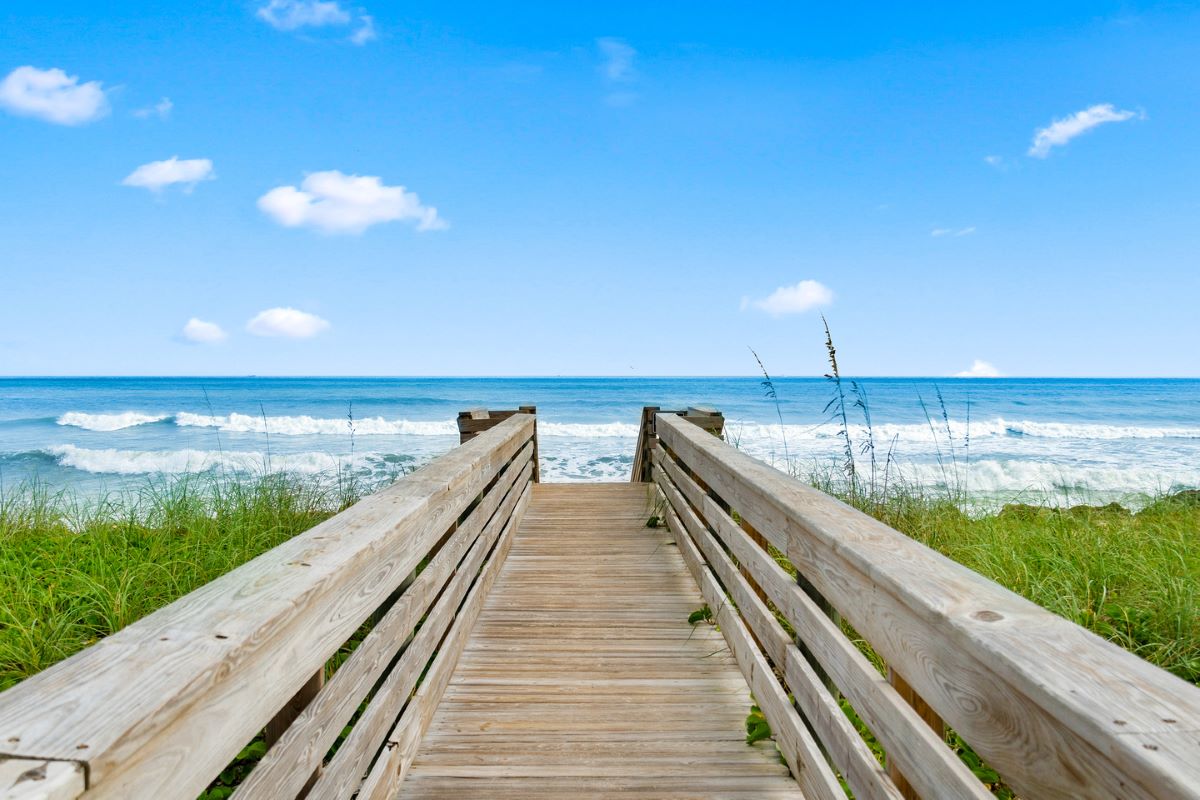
(1062,439)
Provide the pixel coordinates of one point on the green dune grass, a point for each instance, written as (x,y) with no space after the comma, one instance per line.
(73,571)
(1132,578)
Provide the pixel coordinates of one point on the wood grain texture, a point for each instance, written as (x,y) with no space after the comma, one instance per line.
(216,665)
(936,771)
(37,779)
(1058,711)
(343,775)
(390,769)
(857,764)
(801,752)
(583,678)
(302,747)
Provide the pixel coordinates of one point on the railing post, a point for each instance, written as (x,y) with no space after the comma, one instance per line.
(707,418)
(475,421)
(537,469)
(645,443)
(279,724)
(928,716)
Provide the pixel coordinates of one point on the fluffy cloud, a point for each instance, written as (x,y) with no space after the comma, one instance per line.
(365,31)
(335,203)
(1061,131)
(52,95)
(288,323)
(288,15)
(979,369)
(201,332)
(618,59)
(158,175)
(161,109)
(291,15)
(616,66)
(939,232)
(796,299)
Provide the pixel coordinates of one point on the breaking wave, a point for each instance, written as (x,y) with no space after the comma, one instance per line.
(112,461)
(304,425)
(109,422)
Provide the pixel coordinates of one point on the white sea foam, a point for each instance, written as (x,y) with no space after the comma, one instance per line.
(958,430)
(993,477)
(112,461)
(745,431)
(987,477)
(108,422)
(1060,461)
(600,430)
(304,425)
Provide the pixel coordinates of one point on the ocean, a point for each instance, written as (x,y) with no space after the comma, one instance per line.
(1037,440)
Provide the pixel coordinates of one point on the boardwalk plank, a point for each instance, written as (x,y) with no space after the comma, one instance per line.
(583,677)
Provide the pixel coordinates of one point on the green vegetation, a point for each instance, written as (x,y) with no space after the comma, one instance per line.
(757,727)
(1132,578)
(73,571)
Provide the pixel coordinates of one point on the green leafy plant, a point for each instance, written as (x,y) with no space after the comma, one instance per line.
(237,771)
(757,727)
(702,614)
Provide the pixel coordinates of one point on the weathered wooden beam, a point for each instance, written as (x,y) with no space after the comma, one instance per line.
(703,417)
(475,421)
(894,722)
(159,708)
(39,779)
(1055,709)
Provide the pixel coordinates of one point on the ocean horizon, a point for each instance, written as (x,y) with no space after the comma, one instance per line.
(1053,440)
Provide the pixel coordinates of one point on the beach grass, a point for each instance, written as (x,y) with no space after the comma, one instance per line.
(1132,578)
(73,570)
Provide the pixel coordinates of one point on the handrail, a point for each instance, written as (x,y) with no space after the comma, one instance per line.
(158,709)
(1055,709)
(707,418)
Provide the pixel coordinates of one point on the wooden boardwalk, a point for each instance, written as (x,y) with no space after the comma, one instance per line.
(531,641)
(583,678)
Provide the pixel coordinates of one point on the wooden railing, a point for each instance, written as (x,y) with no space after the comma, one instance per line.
(709,419)
(160,708)
(1055,710)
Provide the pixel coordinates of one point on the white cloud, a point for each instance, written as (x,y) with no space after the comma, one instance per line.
(335,203)
(939,232)
(979,369)
(161,109)
(1061,131)
(618,59)
(288,323)
(52,95)
(288,15)
(993,161)
(366,30)
(291,15)
(158,175)
(201,332)
(796,299)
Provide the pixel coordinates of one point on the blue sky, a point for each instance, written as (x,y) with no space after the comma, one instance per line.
(617,189)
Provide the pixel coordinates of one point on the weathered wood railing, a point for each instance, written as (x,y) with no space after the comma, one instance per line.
(158,709)
(709,419)
(1056,710)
